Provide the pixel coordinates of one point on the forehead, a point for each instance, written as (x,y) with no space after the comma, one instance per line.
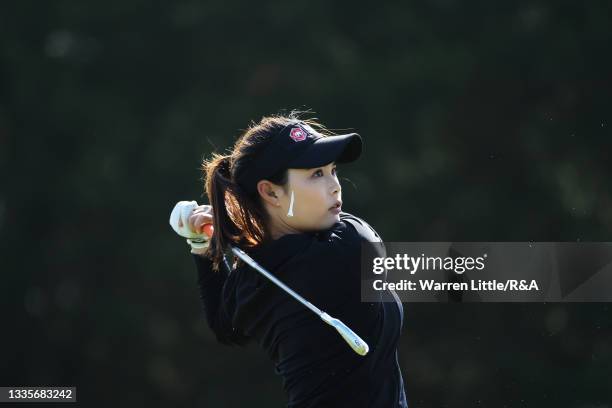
(313,168)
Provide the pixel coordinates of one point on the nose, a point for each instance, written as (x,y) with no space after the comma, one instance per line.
(335,186)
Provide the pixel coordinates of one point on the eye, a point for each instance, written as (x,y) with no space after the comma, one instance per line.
(320,172)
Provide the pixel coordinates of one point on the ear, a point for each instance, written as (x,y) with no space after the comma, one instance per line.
(270,192)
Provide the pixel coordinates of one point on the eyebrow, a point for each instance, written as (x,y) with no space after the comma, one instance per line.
(320,167)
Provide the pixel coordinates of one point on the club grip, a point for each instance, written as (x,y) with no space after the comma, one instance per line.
(353,340)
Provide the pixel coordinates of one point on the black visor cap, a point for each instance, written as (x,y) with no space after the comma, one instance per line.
(324,150)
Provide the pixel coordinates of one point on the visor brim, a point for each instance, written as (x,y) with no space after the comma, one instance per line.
(338,148)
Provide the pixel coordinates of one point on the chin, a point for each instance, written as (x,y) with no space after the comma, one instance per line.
(328,221)
(335,218)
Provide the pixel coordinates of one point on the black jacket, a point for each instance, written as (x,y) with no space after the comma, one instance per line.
(318,368)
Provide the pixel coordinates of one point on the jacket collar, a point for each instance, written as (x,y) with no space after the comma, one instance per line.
(271,254)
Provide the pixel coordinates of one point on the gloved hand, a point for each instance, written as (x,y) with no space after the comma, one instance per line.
(179,221)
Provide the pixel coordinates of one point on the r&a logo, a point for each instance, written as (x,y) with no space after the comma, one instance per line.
(298,134)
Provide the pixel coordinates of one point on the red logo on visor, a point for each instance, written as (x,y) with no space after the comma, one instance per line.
(298,134)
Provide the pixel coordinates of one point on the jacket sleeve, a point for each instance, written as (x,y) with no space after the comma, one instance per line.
(218,302)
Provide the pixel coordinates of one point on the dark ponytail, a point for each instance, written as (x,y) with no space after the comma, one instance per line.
(218,182)
(235,213)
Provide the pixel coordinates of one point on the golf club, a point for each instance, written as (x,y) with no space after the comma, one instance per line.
(357,344)
(183,208)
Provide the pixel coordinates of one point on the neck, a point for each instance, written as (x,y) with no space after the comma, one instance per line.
(278,228)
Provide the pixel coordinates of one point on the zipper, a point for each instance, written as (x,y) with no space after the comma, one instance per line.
(398,303)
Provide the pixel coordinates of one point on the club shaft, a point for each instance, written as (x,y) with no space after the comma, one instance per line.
(251,262)
(352,339)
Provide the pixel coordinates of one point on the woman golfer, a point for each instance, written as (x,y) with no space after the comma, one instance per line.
(277,197)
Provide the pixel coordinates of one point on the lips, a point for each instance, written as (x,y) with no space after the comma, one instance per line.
(337,204)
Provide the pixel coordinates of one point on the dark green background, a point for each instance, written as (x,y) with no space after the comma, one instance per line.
(485,121)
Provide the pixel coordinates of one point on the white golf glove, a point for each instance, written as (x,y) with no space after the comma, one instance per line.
(182,210)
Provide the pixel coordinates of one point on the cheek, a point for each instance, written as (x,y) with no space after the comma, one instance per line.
(316,199)
(310,200)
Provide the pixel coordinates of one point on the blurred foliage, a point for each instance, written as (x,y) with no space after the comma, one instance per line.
(481,121)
